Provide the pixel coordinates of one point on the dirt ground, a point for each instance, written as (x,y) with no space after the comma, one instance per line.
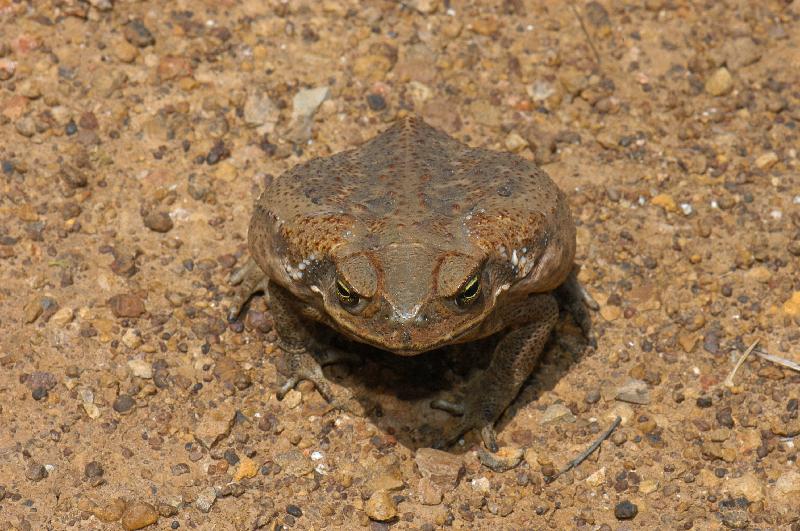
(135,135)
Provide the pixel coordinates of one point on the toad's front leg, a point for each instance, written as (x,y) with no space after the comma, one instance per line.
(306,355)
(516,354)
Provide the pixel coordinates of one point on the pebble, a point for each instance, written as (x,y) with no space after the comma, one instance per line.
(625,510)
(7,69)
(720,82)
(126,305)
(215,425)
(504,459)
(136,33)
(380,507)
(26,126)
(597,478)
(63,317)
(294,510)
(247,469)
(259,109)
(294,463)
(376,102)
(747,485)
(139,515)
(767,160)
(93,469)
(125,51)
(556,413)
(429,492)
(634,392)
(788,484)
(740,52)
(111,511)
(792,306)
(36,472)
(158,221)
(205,500)
(141,369)
(123,404)
(306,102)
(442,468)
(293,398)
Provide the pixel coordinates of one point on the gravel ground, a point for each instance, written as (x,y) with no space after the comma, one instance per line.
(134,137)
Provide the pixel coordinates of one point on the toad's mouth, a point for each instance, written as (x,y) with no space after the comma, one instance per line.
(404,342)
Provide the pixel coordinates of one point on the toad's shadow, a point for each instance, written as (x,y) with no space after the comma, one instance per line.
(396,391)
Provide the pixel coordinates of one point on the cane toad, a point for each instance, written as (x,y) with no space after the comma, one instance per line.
(411,242)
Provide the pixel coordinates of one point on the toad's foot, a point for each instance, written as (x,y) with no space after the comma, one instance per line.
(489,395)
(573,297)
(249,280)
(305,366)
(473,417)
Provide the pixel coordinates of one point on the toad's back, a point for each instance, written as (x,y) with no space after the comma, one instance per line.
(416,183)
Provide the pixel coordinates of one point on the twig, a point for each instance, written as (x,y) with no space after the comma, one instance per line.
(789,364)
(729,379)
(586,453)
(585,32)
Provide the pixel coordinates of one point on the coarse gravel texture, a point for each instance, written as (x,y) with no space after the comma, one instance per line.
(135,136)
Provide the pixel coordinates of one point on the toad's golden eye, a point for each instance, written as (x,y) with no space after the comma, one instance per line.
(469,292)
(347,296)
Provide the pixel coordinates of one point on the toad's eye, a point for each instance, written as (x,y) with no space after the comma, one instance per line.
(347,296)
(469,292)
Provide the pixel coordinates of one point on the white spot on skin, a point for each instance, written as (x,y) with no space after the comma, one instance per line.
(408,315)
(315,289)
(514,259)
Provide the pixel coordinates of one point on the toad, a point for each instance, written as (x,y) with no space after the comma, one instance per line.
(412,242)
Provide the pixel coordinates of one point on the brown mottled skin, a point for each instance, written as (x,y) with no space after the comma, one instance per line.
(411,242)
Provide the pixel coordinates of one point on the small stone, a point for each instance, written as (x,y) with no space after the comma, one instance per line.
(748,485)
(294,463)
(132,339)
(789,484)
(259,109)
(141,369)
(597,478)
(767,160)
(139,515)
(665,201)
(7,69)
(32,310)
(293,398)
(486,25)
(125,51)
(136,33)
(111,511)
(26,126)
(92,411)
(634,392)
(126,305)
(740,52)
(205,500)
(556,413)
(625,510)
(792,306)
(380,507)
(294,510)
(306,102)
(158,221)
(515,143)
(426,7)
(123,404)
(481,485)
(173,67)
(610,312)
(63,317)
(39,393)
(247,469)
(504,459)
(215,426)
(36,472)
(376,102)
(720,82)
(429,492)
(443,468)
(93,469)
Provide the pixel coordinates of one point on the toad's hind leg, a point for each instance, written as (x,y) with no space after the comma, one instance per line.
(306,356)
(248,280)
(489,395)
(573,297)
